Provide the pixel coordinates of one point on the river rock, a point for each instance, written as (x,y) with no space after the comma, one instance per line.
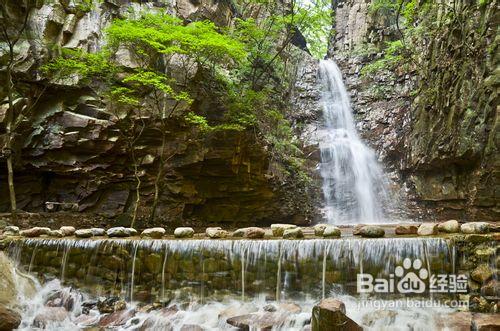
(330,314)
(289,307)
(50,315)
(457,321)
(250,233)
(450,226)
(191,327)
(9,319)
(371,231)
(118,231)
(331,231)
(319,228)
(406,229)
(56,233)
(257,321)
(384,317)
(155,233)
(294,233)
(481,273)
(68,230)
(83,233)
(427,229)
(132,232)
(117,318)
(184,232)
(279,229)
(485,322)
(35,232)
(98,232)
(357,229)
(491,288)
(475,228)
(12,282)
(86,320)
(11,230)
(216,233)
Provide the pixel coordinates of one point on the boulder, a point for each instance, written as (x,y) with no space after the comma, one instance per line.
(427,229)
(482,273)
(118,231)
(450,226)
(49,315)
(475,228)
(357,229)
(34,232)
(56,233)
(289,307)
(117,318)
(132,232)
(68,230)
(406,229)
(330,314)
(83,233)
(13,282)
(491,288)
(371,231)
(251,233)
(279,229)
(155,233)
(257,321)
(485,322)
(98,232)
(11,230)
(331,231)
(294,233)
(319,228)
(457,321)
(9,319)
(86,320)
(216,233)
(184,232)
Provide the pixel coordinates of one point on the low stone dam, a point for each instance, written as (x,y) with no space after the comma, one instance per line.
(211,283)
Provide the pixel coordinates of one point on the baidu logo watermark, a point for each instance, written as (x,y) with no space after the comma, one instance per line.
(412,277)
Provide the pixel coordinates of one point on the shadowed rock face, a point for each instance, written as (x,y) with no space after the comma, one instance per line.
(72,158)
(440,154)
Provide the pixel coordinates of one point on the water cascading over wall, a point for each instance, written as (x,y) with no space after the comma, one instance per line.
(354,185)
(154,270)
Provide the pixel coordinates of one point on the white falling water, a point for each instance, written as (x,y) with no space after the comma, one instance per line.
(354,185)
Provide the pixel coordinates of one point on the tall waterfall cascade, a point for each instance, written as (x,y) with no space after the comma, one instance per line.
(354,185)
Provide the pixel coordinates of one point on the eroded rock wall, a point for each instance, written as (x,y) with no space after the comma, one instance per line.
(71,157)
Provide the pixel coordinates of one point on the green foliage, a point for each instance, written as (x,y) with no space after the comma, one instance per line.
(316,27)
(392,58)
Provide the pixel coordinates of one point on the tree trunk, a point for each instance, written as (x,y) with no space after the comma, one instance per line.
(158,178)
(137,190)
(8,129)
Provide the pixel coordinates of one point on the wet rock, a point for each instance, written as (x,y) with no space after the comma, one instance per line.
(83,233)
(250,233)
(56,233)
(12,282)
(98,232)
(485,322)
(9,319)
(107,305)
(184,232)
(160,321)
(50,315)
(257,321)
(406,229)
(319,228)
(491,288)
(270,308)
(290,307)
(459,321)
(371,231)
(357,229)
(238,309)
(68,230)
(119,231)
(330,314)
(88,305)
(427,229)
(450,226)
(85,320)
(11,230)
(216,233)
(117,318)
(477,238)
(475,228)
(294,233)
(331,231)
(155,233)
(279,229)
(63,299)
(481,273)
(34,232)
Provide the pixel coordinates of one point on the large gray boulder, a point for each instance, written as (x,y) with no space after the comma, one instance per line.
(427,229)
(279,229)
(450,226)
(155,233)
(330,314)
(118,231)
(84,233)
(475,228)
(371,231)
(184,232)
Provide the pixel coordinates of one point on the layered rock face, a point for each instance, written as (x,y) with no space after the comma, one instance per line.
(71,156)
(436,135)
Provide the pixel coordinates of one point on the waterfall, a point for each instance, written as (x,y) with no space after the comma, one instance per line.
(354,185)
